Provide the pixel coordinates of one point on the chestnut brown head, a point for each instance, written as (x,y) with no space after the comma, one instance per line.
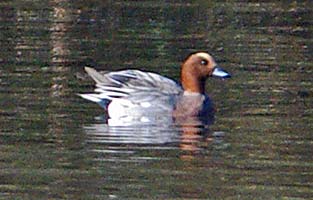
(196,68)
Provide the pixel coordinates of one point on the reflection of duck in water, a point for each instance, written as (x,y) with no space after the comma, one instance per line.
(126,142)
(133,95)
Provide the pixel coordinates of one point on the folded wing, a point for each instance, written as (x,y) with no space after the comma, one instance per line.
(133,88)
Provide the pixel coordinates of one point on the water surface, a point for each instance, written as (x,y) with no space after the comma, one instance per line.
(55,145)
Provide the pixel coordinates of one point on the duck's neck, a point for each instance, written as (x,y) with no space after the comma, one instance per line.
(192,82)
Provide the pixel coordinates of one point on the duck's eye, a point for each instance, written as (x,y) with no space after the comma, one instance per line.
(204,62)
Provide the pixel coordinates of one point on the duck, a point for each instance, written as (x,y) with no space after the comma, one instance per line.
(135,94)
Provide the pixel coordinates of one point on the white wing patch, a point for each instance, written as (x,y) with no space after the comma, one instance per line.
(145,104)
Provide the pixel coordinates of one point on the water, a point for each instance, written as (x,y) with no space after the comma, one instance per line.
(55,145)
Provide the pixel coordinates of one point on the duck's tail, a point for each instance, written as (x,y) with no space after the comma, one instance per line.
(95,98)
(96,76)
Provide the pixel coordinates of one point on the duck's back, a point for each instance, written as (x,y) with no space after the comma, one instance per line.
(133,92)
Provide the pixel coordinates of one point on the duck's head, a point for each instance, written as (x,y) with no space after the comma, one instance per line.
(196,68)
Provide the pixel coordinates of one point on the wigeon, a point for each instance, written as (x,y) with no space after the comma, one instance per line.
(138,94)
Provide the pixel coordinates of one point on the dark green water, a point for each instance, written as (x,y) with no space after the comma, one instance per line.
(54,145)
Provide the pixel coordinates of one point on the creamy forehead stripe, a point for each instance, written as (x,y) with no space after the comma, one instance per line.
(204,55)
(207,56)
